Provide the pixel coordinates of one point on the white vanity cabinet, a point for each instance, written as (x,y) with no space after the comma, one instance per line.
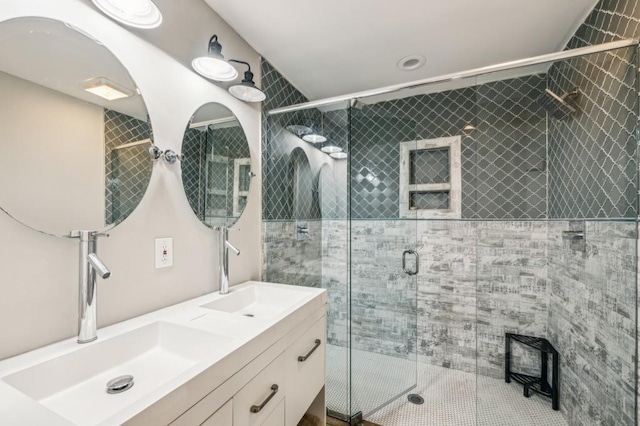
(305,371)
(276,417)
(224,416)
(254,403)
(276,388)
(201,362)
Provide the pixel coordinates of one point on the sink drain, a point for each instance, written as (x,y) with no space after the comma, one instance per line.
(414,398)
(120,384)
(248,315)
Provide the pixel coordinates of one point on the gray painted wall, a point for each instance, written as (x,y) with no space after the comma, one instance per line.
(49,286)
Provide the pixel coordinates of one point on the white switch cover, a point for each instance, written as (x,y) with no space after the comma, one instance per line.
(164,252)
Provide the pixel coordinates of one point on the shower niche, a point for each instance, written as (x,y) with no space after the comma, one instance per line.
(430,178)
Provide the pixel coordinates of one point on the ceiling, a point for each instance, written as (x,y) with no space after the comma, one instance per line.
(334,47)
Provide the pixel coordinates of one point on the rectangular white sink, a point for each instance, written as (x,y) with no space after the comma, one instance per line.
(74,385)
(259,301)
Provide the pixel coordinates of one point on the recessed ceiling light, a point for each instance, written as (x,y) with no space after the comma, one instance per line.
(106,89)
(469,128)
(339,155)
(330,149)
(410,63)
(135,13)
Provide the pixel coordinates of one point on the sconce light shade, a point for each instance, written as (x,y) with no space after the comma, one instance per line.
(331,149)
(247,90)
(134,13)
(299,129)
(314,138)
(214,66)
(309,132)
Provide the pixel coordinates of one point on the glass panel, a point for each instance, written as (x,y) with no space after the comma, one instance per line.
(445,326)
(383,295)
(545,247)
(305,225)
(563,287)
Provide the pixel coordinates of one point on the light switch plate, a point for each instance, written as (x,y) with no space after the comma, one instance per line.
(164,252)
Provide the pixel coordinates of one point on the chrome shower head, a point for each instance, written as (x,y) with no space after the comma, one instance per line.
(557,106)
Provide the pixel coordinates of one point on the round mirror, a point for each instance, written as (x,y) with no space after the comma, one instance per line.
(216,165)
(74,130)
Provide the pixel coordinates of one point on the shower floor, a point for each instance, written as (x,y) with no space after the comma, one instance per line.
(452,397)
(392,375)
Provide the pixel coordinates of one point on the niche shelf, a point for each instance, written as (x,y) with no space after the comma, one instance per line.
(431,178)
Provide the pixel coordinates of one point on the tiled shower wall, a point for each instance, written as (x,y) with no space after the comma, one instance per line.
(592,321)
(592,173)
(481,278)
(515,145)
(503,172)
(592,160)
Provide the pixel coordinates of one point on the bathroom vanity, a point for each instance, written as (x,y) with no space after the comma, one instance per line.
(255,356)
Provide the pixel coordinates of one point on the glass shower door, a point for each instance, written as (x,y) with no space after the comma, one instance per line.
(383,260)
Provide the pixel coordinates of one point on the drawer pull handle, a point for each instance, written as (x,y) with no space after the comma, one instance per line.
(258,408)
(316,346)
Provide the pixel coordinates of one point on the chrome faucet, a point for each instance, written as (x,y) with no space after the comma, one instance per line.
(225,246)
(90,268)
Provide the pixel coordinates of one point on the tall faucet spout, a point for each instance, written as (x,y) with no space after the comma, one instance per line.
(90,268)
(97,264)
(225,246)
(232,247)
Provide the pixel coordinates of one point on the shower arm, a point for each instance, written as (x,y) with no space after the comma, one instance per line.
(570,95)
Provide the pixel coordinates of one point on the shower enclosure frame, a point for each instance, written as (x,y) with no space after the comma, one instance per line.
(352,98)
(351,101)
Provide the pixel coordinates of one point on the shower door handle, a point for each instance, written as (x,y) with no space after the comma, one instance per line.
(404,262)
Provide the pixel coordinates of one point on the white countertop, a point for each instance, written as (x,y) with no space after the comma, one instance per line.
(249,338)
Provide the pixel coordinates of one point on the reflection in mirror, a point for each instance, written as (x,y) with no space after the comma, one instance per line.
(73,128)
(303,188)
(332,197)
(216,166)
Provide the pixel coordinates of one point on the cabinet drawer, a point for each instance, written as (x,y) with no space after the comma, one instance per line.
(305,363)
(255,402)
(222,417)
(276,418)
